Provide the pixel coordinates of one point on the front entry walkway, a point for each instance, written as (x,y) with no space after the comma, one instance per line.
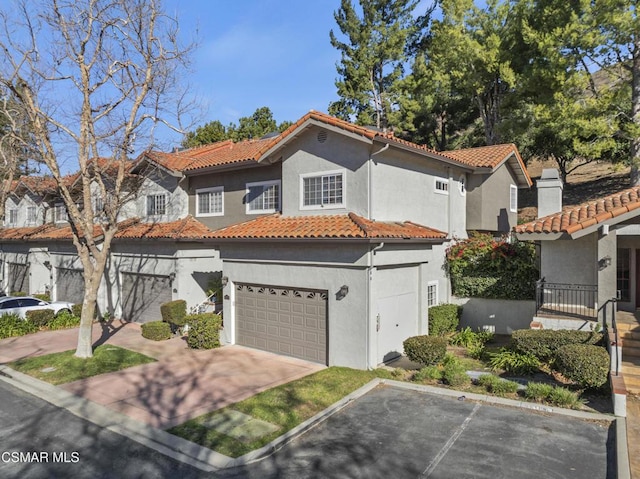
(182,384)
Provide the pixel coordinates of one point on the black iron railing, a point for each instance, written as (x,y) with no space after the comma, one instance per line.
(610,326)
(567,300)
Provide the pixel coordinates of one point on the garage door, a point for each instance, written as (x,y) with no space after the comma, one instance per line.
(18,277)
(142,295)
(287,321)
(69,285)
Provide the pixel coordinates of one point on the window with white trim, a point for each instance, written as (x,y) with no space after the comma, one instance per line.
(513,198)
(13,216)
(210,201)
(324,190)
(32,214)
(263,197)
(442,186)
(156,205)
(432,293)
(98,206)
(60,213)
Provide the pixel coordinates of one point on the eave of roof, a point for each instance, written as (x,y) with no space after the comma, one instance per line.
(585,218)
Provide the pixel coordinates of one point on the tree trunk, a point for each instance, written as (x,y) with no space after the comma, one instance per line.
(635,113)
(85,333)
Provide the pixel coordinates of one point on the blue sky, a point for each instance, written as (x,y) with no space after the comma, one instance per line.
(255,53)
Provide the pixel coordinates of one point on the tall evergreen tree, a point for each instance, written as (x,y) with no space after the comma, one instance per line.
(377,38)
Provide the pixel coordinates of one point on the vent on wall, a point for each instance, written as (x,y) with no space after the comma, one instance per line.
(322,136)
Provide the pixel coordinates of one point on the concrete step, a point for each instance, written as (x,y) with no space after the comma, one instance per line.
(629,335)
(628,343)
(633,327)
(631,380)
(630,351)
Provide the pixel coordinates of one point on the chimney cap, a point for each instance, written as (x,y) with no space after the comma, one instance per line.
(550,174)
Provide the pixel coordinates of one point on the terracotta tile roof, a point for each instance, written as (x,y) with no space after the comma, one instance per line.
(351,225)
(186,228)
(574,219)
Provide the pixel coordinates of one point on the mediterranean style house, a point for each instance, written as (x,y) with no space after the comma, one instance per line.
(329,238)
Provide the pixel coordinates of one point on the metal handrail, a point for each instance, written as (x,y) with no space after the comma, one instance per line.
(567,299)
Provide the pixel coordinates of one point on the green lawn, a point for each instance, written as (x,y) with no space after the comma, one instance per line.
(68,368)
(285,406)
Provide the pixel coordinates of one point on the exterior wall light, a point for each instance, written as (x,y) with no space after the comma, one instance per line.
(224,281)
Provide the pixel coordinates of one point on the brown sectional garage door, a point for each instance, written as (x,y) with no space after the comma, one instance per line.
(287,321)
(142,295)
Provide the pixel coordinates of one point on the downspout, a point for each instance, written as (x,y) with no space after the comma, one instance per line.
(370,334)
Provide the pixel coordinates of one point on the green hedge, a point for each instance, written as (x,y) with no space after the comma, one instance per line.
(425,350)
(76,310)
(444,319)
(64,320)
(156,330)
(13,325)
(204,330)
(43,297)
(586,364)
(40,317)
(543,343)
(482,267)
(18,294)
(174,312)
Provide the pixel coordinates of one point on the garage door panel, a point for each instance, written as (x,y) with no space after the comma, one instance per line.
(18,277)
(143,295)
(291,325)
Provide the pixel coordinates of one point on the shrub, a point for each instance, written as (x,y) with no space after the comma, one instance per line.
(564,398)
(514,362)
(204,330)
(538,391)
(64,320)
(454,373)
(13,325)
(425,350)
(444,319)
(174,312)
(18,293)
(465,337)
(432,373)
(543,343)
(586,364)
(156,330)
(503,387)
(43,297)
(487,380)
(473,341)
(482,267)
(40,317)
(76,310)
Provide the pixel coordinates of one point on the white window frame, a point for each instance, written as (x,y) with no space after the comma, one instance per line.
(431,284)
(441,181)
(12,212)
(60,214)
(155,196)
(322,174)
(32,218)
(513,198)
(264,184)
(213,189)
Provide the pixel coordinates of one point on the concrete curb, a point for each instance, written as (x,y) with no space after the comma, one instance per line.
(207,460)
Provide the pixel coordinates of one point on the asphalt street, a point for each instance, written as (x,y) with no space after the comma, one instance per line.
(389,432)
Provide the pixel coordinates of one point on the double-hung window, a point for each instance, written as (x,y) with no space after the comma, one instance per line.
(323,190)
(513,198)
(31,214)
(210,201)
(60,213)
(13,216)
(432,293)
(156,205)
(263,197)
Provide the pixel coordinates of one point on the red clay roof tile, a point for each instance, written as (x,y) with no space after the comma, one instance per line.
(585,215)
(351,225)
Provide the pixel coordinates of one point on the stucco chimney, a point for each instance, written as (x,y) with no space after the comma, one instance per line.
(549,193)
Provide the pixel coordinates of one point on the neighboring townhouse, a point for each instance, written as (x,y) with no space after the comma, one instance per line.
(589,255)
(330,238)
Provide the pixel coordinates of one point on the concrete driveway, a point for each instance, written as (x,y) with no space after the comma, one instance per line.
(392,432)
(182,384)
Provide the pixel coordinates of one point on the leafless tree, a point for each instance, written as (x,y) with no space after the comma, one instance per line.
(95,78)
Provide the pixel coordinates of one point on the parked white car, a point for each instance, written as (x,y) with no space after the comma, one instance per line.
(21,304)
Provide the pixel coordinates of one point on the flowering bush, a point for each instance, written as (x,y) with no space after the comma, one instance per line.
(483,267)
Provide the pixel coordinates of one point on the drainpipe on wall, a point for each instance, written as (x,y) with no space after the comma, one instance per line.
(370,331)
